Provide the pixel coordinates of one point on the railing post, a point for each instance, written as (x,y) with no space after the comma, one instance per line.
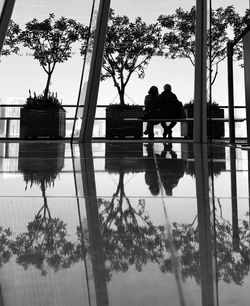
(230,92)
(7,128)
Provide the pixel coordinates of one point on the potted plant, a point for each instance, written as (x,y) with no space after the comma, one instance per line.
(128,49)
(42,117)
(51,42)
(115,126)
(215,129)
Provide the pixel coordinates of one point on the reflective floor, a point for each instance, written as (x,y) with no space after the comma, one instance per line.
(115,224)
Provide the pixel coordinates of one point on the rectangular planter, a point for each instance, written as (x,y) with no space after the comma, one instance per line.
(42,122)
(214,129)
(116,127)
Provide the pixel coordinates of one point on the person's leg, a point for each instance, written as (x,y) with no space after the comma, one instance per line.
(165,129)
(171,125)
(146,131)
(150,129)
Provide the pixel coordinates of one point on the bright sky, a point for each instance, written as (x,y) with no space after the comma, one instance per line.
(21,73)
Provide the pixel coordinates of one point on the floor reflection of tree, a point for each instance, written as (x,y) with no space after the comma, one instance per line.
(231,266)
(5,242)
(131,239)
(46,243)
(129,236)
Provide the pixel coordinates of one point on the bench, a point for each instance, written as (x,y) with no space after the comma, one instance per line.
(187,129)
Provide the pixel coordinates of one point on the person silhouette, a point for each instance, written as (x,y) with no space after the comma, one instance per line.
(170,108)
(152,110)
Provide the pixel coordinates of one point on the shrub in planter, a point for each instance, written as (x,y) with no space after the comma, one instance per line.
(42,117)
(215,129)
(116,127)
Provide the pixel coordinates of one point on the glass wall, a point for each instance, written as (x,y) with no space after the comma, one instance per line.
(128,71)
(228,16)
(52,64)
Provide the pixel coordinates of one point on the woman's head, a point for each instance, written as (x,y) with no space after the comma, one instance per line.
(153,90)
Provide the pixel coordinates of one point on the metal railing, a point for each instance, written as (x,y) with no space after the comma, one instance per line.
(8,119)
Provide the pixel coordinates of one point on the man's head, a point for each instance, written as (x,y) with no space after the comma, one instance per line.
(167,87)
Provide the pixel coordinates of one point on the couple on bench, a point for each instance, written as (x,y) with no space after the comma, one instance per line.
(163,106)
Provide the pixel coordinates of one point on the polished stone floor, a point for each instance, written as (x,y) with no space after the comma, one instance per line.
(118,223)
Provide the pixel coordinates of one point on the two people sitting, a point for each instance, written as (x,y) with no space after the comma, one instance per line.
(164,106)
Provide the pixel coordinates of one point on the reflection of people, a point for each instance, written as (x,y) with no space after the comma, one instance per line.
(170,108)
(170,169)
(151,178)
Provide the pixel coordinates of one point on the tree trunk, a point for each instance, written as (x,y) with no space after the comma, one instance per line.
(121,95)
(46,91)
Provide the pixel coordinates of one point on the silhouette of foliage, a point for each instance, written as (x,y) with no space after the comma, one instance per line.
(51,42)
(128,49)
(179,38)
(129,236)
(12,39)
(45,244)
(5,252)
(231,265)
(238,27)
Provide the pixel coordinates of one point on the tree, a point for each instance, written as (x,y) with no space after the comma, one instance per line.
(238,27)
(12,39)
(128,49)
(5,243)
(51,42)
(179,39)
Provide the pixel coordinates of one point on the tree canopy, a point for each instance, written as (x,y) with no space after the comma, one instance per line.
(51,42)
(179,38)
(12,39)
(128,49)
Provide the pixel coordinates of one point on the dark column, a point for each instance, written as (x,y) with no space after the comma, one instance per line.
(207,258)
(96,248)
(200,94)
(95,72)
(230,91)
(235,227)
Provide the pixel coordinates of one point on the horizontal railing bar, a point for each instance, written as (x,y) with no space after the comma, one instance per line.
(63,105)
(98,106)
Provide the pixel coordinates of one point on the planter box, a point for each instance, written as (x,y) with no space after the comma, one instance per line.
(214,129)
(116,127)
(42,122)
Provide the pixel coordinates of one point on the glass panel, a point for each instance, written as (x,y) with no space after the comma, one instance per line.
(128,49)
(1,5)
(86,69)
(31,72)
(231,15)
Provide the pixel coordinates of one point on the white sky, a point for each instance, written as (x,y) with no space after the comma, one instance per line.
(18,74)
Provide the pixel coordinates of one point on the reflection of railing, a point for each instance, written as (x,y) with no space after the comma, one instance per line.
(8,119)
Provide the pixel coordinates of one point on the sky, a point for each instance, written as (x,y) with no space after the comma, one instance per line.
(20,73)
